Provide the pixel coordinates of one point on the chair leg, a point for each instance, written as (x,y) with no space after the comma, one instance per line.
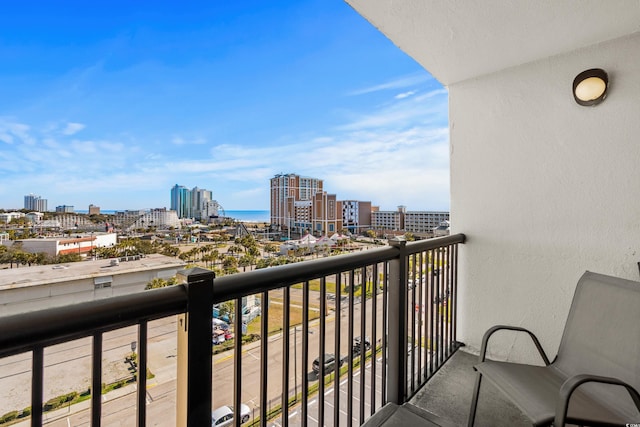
(474,401)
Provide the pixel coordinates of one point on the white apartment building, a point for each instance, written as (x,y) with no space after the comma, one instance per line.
(423,221)
(7,217)
(387,220)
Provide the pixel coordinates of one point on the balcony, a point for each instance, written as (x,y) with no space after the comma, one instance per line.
(401,298)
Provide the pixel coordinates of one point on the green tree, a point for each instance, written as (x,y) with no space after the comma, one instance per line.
(161,283)
(230,265)
(246,261)
(73,257)
(228,309)
(271,248)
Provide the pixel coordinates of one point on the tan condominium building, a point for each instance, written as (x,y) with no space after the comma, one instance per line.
(327,214)
(292,200)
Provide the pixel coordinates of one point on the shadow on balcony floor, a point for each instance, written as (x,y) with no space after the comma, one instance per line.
(448,395)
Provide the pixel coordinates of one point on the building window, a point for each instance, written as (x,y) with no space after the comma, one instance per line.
(102,282)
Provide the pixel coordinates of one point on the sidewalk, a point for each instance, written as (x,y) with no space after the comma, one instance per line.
(62,413)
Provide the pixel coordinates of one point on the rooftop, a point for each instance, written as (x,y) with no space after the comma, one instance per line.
(54,273)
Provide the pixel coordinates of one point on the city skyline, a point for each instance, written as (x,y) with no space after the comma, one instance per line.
(111,105)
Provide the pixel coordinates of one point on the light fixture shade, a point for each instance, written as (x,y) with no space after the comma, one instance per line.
(590,87)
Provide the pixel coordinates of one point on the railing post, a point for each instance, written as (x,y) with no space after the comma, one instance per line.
(397,328)
(194,382)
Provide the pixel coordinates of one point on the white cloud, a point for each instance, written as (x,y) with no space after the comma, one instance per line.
(72,128)
(6,138)
(390,154)
(178,140)
(404,94)
(12,132)
(400,83)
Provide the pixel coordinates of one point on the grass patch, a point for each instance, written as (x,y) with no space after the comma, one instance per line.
(230,343)
(276,314)
(314,285)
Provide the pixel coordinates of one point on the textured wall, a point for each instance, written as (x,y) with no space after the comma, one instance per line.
(544,189)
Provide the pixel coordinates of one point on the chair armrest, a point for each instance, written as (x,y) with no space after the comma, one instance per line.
(491,331)
(572,383)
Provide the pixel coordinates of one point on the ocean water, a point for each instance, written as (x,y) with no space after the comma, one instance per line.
(240,215)
(249,216)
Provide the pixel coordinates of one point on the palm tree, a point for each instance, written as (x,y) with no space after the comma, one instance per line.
(230,265)
(246,261)
(271,248)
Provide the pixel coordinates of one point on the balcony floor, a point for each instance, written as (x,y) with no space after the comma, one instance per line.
(448,396)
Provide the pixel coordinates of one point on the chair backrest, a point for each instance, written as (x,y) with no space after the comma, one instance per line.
(602,334)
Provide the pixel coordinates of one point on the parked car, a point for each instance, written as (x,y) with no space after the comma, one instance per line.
(329,364)
(219,324)
(357,345)
(223,416)
(218,336)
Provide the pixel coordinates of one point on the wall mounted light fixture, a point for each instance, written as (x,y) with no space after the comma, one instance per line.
(590,87)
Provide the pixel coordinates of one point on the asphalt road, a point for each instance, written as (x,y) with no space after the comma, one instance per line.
(68,359)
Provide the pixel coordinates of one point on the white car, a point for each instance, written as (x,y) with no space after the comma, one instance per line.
(223,416)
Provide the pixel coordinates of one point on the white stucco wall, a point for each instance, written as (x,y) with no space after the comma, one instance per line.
(544,189)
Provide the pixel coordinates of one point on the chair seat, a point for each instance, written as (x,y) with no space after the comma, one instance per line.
(534,389)
(392,415)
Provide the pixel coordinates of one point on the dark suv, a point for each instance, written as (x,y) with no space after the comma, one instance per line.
(329,364)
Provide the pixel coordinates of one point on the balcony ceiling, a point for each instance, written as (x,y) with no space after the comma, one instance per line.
(456,40)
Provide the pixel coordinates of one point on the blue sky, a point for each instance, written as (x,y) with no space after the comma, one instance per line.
(113,103)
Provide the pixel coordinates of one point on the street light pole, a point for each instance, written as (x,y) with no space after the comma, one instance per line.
(295,361)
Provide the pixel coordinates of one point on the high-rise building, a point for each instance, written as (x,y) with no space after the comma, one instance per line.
(196,203)
(200,199)
(291,201)
(35,203)
(181,201)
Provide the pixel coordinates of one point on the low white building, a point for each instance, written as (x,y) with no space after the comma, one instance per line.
(7,217)
(32,288)
(82,244)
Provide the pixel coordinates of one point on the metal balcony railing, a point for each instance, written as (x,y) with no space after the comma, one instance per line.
(388,315)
